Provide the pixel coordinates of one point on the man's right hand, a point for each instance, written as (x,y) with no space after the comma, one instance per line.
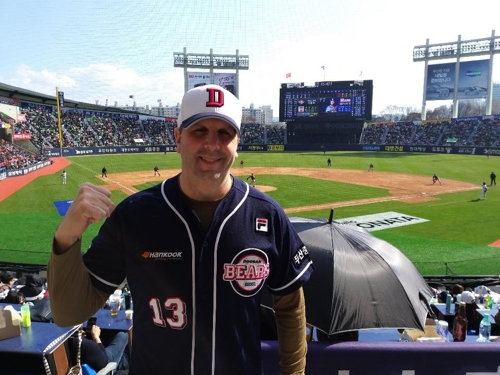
(91,204)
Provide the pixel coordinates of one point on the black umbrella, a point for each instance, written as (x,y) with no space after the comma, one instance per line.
(360,281)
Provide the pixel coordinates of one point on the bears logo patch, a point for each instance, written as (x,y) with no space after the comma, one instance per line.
(247,272)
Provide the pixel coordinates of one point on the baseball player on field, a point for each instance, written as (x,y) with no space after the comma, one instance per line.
(435,179)
(156,170)
(252,179)
(197,288)
(484,189)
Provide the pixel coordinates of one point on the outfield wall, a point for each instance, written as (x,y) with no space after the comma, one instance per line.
(461,150)
(25,171)
(56,152)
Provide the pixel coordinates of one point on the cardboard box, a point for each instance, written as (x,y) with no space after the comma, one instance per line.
(9,325)
(429,334)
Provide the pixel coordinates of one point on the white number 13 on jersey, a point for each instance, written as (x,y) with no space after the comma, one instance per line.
(176,306)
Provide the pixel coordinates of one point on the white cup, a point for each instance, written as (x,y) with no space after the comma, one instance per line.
(129,314)
(442,328)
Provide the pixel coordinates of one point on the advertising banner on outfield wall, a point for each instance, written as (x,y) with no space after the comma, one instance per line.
(54,152)
(473,79)
(24,171)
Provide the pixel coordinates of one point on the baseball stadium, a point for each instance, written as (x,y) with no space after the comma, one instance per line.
(444,229)
(343,230)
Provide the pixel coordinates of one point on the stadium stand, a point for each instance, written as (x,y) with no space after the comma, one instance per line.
(474,132)
(15,157)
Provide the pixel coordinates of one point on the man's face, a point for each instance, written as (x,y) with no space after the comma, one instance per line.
(332,102)
(208,149)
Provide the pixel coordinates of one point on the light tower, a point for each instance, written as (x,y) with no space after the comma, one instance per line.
(210,62)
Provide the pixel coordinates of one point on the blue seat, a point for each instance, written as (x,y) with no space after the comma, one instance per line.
(109,369)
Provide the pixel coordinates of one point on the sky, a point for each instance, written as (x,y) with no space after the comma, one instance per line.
(108,50)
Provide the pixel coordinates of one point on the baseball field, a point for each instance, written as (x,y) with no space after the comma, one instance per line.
(458,234)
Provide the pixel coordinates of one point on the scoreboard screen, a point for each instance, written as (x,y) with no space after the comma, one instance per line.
(328,100)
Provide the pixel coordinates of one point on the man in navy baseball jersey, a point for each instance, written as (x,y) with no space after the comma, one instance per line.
(196,289)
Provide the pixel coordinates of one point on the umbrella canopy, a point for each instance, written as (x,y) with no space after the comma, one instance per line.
(360,281)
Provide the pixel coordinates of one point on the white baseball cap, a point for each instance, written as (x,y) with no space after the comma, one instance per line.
(468,297)
(210,101)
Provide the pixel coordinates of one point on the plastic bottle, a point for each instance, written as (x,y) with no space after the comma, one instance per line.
(485,329)
(448,302)
(127,298)
(26,316)
(490,303)
(460,324)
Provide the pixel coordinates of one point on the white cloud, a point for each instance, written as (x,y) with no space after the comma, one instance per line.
(44,81)
(101,82)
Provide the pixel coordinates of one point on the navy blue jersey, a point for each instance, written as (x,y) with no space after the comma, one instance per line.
(197,293)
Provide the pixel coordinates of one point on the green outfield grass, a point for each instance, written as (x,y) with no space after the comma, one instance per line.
(455,239)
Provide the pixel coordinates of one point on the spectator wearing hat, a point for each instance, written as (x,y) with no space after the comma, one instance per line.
(34,289)
(473,317)
(468,297)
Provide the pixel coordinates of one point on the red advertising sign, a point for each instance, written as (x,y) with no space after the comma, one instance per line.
(22,136)
(21,117)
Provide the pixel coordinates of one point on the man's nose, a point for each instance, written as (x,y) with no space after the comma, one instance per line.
(212,141)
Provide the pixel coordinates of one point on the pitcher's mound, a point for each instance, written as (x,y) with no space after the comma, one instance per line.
(265,188)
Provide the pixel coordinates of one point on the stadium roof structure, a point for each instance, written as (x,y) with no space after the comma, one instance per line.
(19,93)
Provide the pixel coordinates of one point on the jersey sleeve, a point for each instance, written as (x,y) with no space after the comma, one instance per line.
(72,296)
(105,258)
(293,266)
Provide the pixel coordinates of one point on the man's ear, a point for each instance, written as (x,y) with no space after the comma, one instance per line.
(177,135)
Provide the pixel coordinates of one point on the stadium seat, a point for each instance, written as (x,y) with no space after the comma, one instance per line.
(109,369)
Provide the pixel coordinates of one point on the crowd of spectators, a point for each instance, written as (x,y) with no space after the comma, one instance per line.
(467,132)
(157,131)
(90,130)
(15,157)
(252,134)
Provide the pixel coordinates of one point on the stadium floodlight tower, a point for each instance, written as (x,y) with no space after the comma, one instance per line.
(210,62)
(465,79)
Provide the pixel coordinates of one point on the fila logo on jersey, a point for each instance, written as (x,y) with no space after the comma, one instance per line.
(261,225)
(160,255)
(247,272)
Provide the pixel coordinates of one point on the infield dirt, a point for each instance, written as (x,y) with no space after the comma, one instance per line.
(410,188)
